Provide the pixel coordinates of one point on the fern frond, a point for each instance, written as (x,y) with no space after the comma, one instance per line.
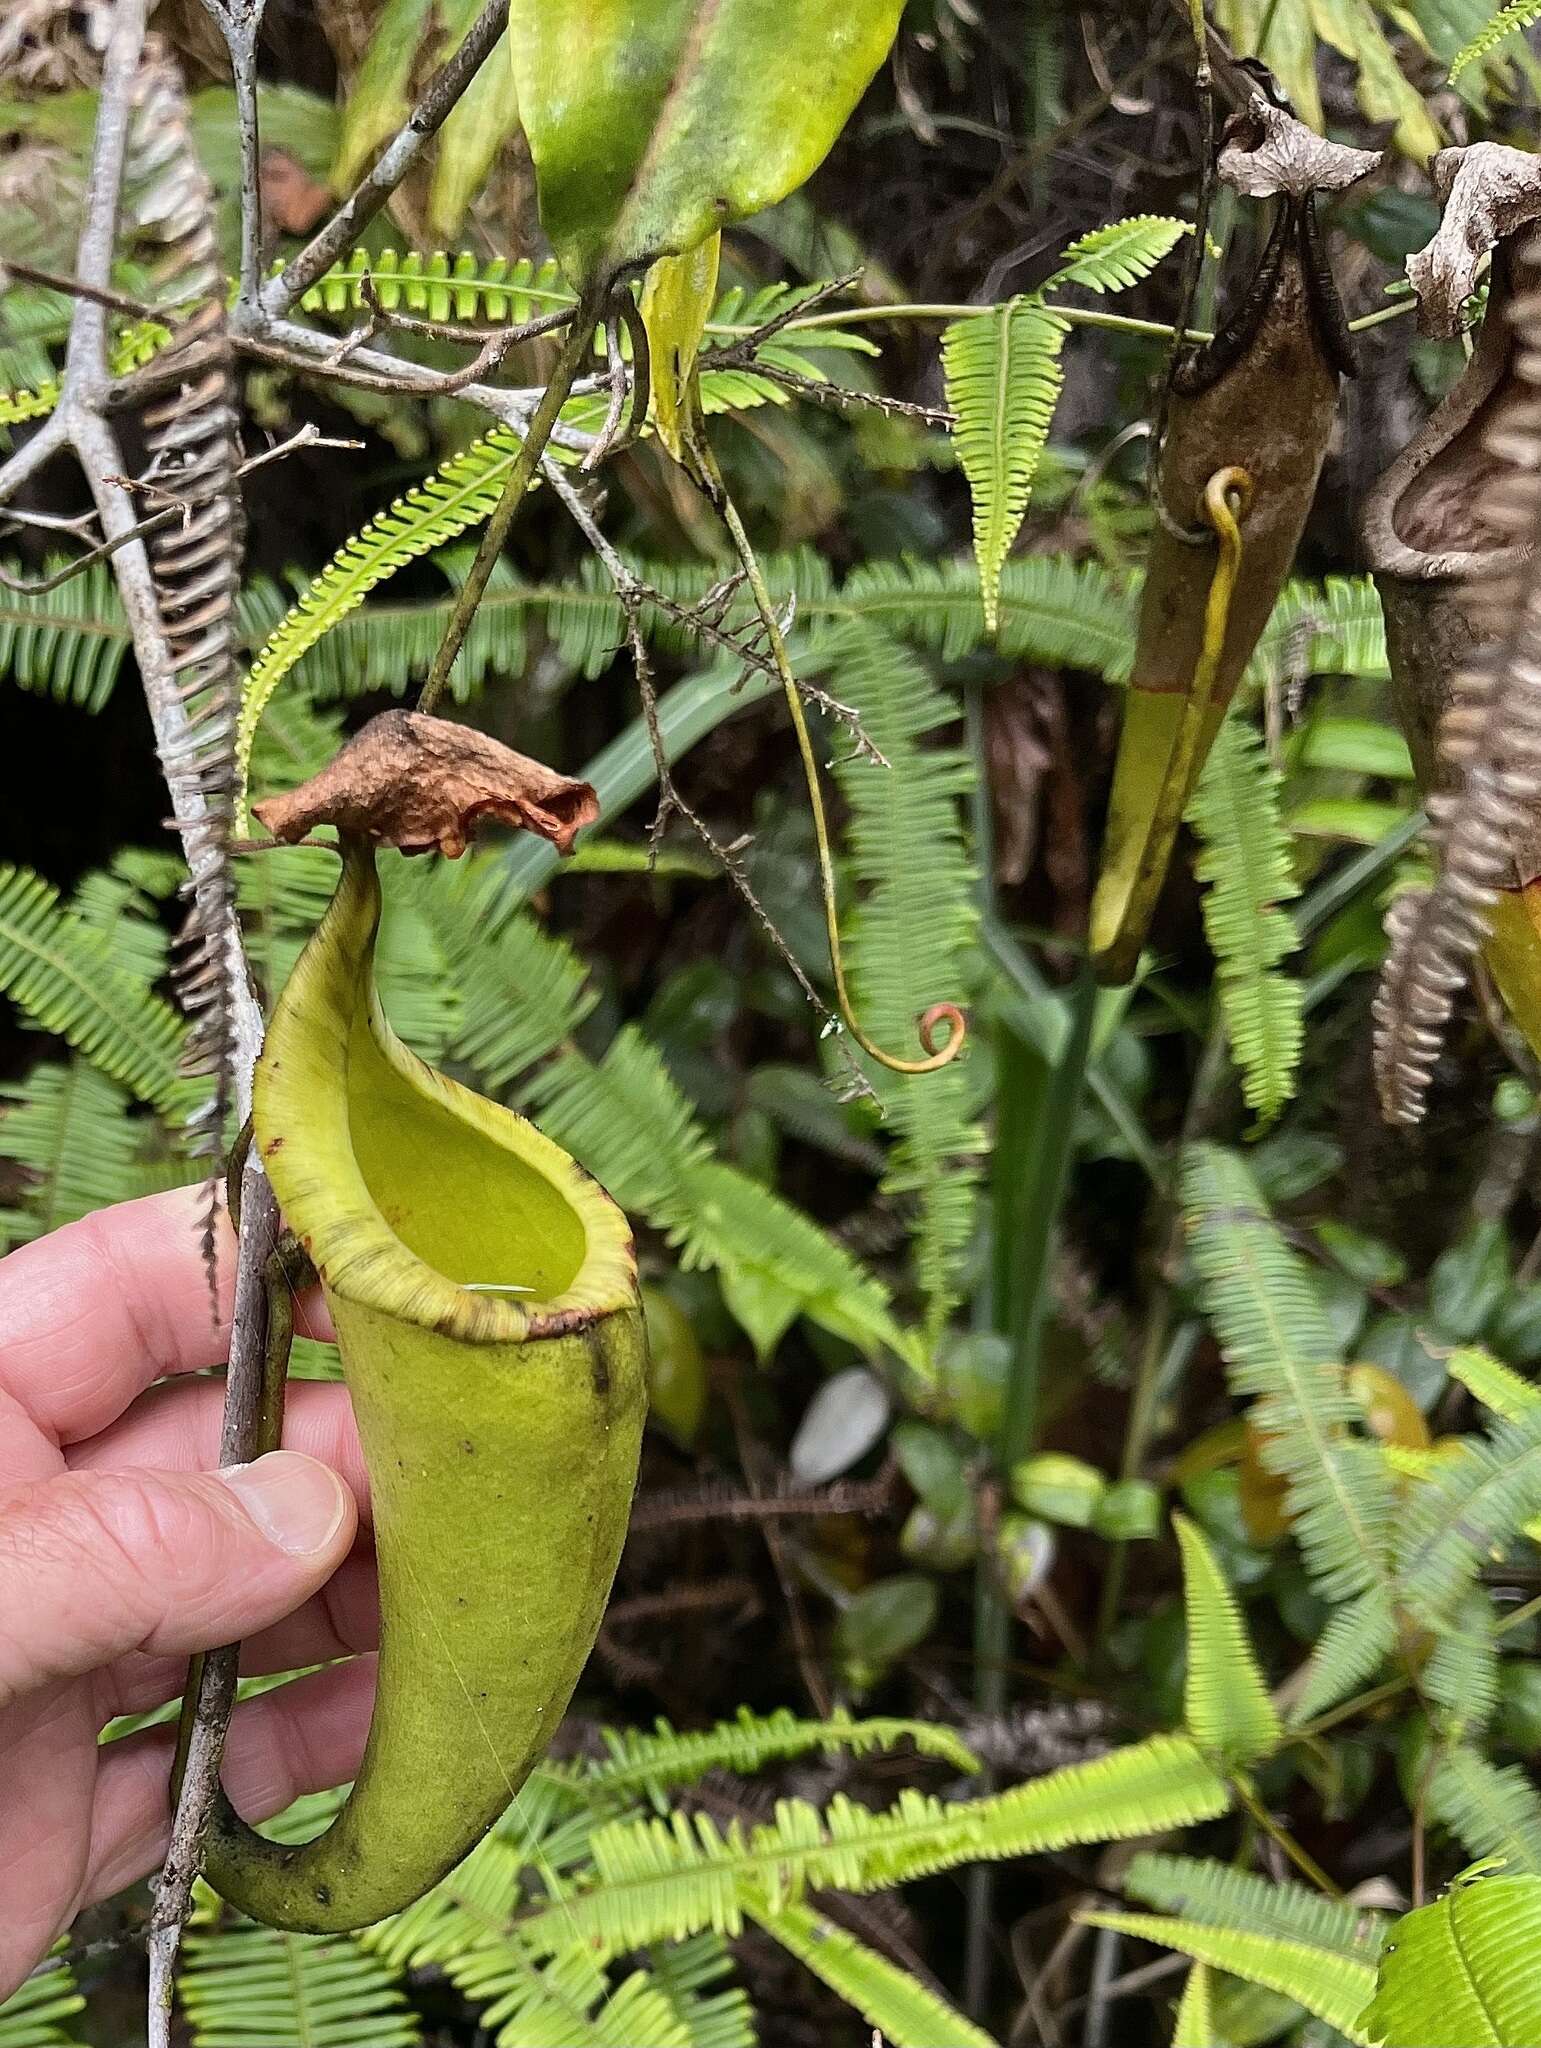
(652,1761)
(661,1879)
(1248,871)
(1332,628)
(68,1126)
(1461,1676)
(62,974)
(1003,377)
(901,2009)
(522,992)
(68,642)
(1496,1385)
(442,284)
(1336,1988)
(1469,1504)
(1357,1640)
(1220,1895)
(31,2017)
(1050,608)
(1112,258)
(273,1990)
(1194,2026)
(909,935)
(1508,21)
(1226,1708)
(1492,1811)
(684,1973)
(567,2002)
(460,493)
(1279,1351)
(629,1124)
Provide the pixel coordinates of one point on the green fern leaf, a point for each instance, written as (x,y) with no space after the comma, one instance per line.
(521,992)
(62,974)
(650,1762)
(1279,1351)
(684,1972)
(909,936)
(1003,378)
(31,2017)
(1492,1810)
(1334,1987)
(1496,1385)
(1463,1973)
(1220,1895)
(1357,1640)
(1195,2024)
(1333,628)
(901,2009)
(461,493)
(1461,1676)
(663,1879)
(255,1984)
(1226,1707)
(1467,1505)
(1050,608)
(68,642)
(628,1123)
(1246,866)
(1112,258)
(68,1127)
(1508,21)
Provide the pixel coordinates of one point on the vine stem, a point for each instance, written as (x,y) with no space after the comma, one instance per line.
(710,477)
(537,433)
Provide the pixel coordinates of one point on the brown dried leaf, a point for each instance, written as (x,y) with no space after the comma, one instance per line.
(1488,193)
(1267,152)
(420,783)
(292,200)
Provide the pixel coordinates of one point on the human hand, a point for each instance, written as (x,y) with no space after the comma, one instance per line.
(122,1551)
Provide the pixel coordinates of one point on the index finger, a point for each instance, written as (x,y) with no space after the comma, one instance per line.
(92,1314)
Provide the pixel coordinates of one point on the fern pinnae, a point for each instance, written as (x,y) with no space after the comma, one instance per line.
(35,2013)
(1221,1895)
(1003,377)
(1112,258)
(311,1991)
(1278,1349)
(1226,1707)
(1496,1385)
(901,2010)
(1492,1810)
(1247,868)
(910,933)
(463,491)
(1335,1988)
(1508,21)
(1469,1503)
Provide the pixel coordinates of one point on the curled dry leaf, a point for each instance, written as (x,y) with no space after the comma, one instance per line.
(1487,193)
(1267,153)
(422,783)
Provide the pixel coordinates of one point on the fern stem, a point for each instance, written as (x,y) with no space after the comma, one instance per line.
(1280,1835)
(536,435)
(939,1013)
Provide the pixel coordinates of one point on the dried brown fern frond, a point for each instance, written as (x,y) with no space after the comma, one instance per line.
(1485,812)
(190,422)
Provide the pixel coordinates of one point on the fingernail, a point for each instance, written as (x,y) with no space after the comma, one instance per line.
(296,1502)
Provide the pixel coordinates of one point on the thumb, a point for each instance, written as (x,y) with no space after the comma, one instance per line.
(95,1564)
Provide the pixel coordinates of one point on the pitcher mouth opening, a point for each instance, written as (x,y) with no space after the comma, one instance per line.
(414,1196)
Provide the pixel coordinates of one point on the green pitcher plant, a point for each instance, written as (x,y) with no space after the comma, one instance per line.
(483,1289)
